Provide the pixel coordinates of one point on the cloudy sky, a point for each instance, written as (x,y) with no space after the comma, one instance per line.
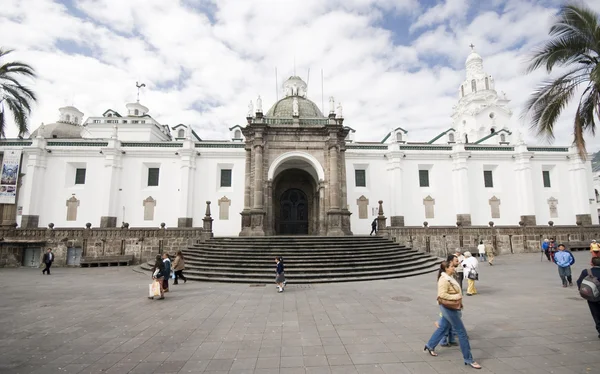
(390,62)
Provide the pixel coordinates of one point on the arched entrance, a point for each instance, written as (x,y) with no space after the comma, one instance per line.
(293,215)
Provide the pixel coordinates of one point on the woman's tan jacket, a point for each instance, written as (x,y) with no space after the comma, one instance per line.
(448,288)
(178,264)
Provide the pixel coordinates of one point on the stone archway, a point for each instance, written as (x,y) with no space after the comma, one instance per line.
(293,207)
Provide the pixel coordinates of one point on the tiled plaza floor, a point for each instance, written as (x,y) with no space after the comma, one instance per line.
(100,321)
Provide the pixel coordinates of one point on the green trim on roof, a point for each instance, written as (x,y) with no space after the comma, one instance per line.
(224,145)
(77,144)
(152,145)
(425,147)
(231,128)
(487,148)
(15,143)
(356,146)
(390,133)
(492,134)
(440,135)
(548,149)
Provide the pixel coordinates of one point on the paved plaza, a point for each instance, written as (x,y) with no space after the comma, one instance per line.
(100,321)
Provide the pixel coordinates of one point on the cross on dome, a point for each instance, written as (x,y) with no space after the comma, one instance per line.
(472,47)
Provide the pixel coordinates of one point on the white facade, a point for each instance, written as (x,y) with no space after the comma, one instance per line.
(118,152)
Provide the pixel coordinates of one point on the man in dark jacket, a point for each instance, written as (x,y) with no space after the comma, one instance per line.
(167,273)
(374,227)
(594,307)
(47,260)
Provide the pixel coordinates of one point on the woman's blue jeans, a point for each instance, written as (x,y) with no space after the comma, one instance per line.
(452,319)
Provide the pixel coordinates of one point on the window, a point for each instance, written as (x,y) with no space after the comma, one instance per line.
(153,174)
(424,178)
(79,176)
(488,179)
(503,138)
(124,121)
(68,118)
(399,136)
(225,177)
(451,137)
(238,134)
(473,86)
(360,176)
(181,133)
(462,91)
(487,83)
(136,112)
(546,177)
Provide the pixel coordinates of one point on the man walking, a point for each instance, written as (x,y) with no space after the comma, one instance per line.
(489,253)
(564,259)
(546,249)
(373,227)
(594,305)
(456,260)
(167,262)
(47,260)
(595,249)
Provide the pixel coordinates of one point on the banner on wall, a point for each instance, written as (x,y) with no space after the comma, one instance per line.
(10,176)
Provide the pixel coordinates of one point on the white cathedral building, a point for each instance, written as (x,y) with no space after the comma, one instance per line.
(296,170)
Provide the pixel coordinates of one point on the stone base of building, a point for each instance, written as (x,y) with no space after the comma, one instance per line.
(246,220)
(397,221)
(30,222)
(107,222)
(463,219)
(529,220)
(257,222)
(334,223)
(583,219)
(185,222)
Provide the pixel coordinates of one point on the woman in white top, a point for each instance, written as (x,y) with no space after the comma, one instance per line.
(481,249)
(471,266)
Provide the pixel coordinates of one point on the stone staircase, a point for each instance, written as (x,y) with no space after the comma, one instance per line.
(307,259)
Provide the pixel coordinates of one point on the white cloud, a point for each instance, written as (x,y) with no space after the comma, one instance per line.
(203,68)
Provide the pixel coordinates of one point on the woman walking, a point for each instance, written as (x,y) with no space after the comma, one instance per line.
(280,276)
(481,250)
(179,266)
(450,300)
(158,275)
(471,273)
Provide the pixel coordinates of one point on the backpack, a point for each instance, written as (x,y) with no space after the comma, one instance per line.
(590,287)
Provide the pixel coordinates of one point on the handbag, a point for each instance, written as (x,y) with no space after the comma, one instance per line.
(450,304)
(155,289)
(473,275)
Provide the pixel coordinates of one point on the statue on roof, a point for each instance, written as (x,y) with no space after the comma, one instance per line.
(295,110)
(331,105)
(250,110)
(40,131)
(339,113)
(259,105)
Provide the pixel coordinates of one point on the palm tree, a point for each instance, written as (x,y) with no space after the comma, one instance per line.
(13,95)
(574,45)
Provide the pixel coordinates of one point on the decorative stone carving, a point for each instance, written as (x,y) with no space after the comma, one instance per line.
(331,105)
(340,113)
(429,202)
(72,205)
(149,205)
(224,204)
(259,105)
(495,206)
(363,207)
(552,204)
(295,110)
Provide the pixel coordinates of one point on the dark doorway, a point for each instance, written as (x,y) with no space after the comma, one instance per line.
(293,216)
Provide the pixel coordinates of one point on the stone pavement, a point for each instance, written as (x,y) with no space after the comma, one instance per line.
(100,321)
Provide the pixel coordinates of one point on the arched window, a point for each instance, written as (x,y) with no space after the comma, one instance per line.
(462,91)
(136,112)
(399,136)
(76,120)
(238,134)
(109,115)
(68,117)
(487,83)
(181,133)
(451,137)
(503,138)
(473,85)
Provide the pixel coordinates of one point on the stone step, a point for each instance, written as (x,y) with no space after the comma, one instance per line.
(254,253)
(220,258)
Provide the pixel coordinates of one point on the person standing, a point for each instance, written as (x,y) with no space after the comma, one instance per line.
(458,267)
(157,275)
(546,249)
(373,227)
(593,305)
(167,271)
(178,267)
(489,252)
(564,259)
(471,273)
(280,274)
(552,249)
(47,260)
(481,250)
(450,301)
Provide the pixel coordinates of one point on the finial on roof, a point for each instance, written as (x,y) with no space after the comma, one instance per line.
(138,89)
(472,47)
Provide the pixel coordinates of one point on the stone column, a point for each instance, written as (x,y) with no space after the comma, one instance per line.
(246,218)
(207,224)
(258,211)
(524,183)
(33,184)
(460,177)
(334,186)
(269,225)
(111,178)
(322,224)
(394,170)
(381,222)
(580,193)
(186,189)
